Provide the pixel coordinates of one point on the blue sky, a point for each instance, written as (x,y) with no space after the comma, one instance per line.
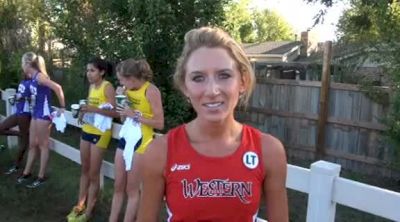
(300,15)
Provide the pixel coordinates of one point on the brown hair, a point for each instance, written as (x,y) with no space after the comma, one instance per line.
(139,69)
(35,61)
(214,38)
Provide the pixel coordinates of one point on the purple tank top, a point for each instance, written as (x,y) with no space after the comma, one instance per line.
(22,98)
(40,97)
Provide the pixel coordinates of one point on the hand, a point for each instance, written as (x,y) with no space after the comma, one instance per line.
(125,111)
(120,90)
(138,116)
(60,111)
(80,119)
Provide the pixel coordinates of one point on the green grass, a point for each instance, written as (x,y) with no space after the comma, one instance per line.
(52,201)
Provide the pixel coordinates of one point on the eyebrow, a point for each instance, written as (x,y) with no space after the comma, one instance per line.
(218,71)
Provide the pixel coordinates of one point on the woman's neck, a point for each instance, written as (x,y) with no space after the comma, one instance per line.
(98,83)
(141,83)
(216,130)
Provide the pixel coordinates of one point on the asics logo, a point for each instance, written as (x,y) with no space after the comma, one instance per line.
(178,167)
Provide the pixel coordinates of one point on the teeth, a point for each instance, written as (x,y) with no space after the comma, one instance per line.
(213,105)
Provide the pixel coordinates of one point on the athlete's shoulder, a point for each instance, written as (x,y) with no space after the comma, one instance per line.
(155,155)
(273,152)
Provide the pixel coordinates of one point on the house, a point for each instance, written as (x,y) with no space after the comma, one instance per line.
(283,51)
(277,51)
(351,63)
(279,59)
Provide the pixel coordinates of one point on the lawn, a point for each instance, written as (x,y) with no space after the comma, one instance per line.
(52,201)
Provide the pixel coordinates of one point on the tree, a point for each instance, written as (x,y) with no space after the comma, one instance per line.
(151,29)
(369,23)
(15,38)
(96,27)
(162,25)
(375,26)
(250,26)
(238,21)
(269,26)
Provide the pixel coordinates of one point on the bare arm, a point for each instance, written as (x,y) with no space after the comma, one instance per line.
(57,89)
(153,164)
(157,120)
(154,97)
(110,96)
(275,165)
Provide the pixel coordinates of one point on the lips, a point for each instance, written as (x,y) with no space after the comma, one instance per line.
(213,104)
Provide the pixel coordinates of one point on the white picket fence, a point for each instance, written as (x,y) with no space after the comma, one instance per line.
(322,183)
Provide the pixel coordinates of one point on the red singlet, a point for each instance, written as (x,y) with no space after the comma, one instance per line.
(218,189)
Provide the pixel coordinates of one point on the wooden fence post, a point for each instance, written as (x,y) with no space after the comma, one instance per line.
(324,100)
(321,207)
(12,141)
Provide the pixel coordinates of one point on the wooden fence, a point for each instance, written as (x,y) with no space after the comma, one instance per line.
(290,110)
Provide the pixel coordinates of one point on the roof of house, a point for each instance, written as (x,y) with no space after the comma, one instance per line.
(279,48)
(339,52)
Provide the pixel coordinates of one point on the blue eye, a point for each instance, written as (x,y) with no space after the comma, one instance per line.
(197,78)
(224,75)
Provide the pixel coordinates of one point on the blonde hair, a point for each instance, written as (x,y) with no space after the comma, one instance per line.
(139,69)
(35,61)
(213,38)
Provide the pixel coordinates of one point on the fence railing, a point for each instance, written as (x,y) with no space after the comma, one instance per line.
(353,129)
(322,183)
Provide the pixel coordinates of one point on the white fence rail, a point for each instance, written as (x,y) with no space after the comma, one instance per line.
(322,183)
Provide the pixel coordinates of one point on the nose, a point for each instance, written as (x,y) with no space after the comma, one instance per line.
(213,88)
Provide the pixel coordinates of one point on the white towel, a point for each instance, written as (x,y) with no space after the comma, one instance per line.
(132,133)
(88,118)
(14,109)
(102,122)
(59,121)
(26,106)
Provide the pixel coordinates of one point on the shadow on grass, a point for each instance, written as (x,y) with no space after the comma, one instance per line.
(53,200)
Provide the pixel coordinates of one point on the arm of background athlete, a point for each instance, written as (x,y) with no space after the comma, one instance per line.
(154,97)
(110,97)
(57,89)
(153,164)
(275,165)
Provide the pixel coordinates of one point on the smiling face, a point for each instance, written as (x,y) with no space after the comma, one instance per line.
(94,75)
(213,83)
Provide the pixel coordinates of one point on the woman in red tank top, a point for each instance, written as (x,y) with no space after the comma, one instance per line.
(214,168)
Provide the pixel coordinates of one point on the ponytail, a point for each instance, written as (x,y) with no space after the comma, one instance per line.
(144,69)
(40,65)
(35,61)
(102,65)
(139,69)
